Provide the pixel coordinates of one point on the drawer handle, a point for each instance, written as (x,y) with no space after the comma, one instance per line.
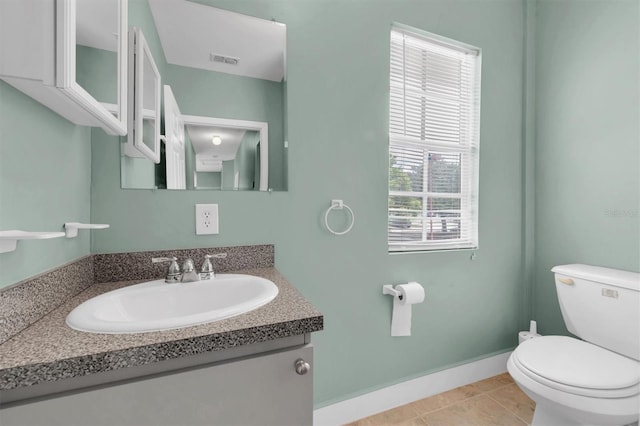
(567,281)
(302,367)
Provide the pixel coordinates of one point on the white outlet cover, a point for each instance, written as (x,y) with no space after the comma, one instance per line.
(206,219)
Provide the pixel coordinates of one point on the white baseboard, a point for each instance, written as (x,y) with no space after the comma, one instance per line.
(412,390)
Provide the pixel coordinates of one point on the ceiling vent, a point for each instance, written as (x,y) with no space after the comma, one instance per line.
(221,59)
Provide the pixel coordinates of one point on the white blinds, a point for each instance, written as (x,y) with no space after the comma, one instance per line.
(434,121)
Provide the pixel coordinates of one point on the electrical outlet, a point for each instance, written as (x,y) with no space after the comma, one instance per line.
(206,219)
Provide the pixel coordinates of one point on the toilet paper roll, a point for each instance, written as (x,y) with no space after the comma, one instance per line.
(410,294)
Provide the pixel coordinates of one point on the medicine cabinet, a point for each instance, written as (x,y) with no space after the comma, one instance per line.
(143,139)
(47,49)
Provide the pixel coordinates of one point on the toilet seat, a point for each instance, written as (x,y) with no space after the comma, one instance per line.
(581,368)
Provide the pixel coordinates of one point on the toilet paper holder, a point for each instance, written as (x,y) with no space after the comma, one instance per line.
(388,289)
(404,296)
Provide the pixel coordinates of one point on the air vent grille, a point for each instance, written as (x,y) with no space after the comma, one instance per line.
(221,59)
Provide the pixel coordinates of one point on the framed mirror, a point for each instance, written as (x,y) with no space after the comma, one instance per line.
(143,138)
(220,65)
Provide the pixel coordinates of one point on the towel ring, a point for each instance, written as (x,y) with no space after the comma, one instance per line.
(339,205)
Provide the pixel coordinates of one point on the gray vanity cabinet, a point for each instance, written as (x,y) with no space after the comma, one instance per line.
(263,389)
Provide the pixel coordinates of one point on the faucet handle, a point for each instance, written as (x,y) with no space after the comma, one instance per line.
(216,256)
(173,273)
(163,259)
(206,272)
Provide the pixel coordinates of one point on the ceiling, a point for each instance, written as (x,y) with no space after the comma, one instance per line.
(192,34)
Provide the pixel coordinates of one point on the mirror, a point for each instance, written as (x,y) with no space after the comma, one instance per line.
(100,49)
(227,74)
(96,39)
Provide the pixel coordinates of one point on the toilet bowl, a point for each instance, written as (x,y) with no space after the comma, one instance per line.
(593,379)
(576,383)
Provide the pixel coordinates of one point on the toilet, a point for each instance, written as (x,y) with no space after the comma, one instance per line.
(593,379)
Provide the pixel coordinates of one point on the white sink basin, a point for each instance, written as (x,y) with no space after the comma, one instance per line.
(157,306)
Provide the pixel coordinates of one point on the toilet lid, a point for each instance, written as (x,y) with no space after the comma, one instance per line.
(579,364)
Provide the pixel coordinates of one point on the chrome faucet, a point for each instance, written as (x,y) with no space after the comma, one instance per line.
(173,273)
(206,272)
(189,273)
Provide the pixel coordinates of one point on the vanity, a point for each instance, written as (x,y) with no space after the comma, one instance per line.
(254,368)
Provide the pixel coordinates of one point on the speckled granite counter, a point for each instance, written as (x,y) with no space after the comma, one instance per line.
(49,350)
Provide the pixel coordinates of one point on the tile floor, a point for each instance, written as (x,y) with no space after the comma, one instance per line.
(490,402)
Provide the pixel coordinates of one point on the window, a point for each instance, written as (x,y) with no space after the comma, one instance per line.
(434,129)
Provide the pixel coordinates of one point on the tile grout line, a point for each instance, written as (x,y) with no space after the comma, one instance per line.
(506,408)
(454,403)
(486,393)
(446,406)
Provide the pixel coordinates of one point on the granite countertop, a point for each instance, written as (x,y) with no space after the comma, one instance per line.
(49,350)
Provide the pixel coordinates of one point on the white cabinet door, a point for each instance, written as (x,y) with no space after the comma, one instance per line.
(70,55)
(259,390)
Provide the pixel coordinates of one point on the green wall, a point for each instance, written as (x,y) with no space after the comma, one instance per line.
(338,70)
(587,148)
(45,180)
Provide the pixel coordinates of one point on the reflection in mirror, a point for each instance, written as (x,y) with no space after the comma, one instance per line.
(204,153)
(97,24)
(219,160)
(218,64)
(143,138)
(100,58)
(227,154)
(174,140)
(150,108)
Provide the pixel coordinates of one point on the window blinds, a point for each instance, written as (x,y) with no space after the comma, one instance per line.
(434,121)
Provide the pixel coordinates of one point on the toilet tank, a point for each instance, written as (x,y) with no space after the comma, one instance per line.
(601,305)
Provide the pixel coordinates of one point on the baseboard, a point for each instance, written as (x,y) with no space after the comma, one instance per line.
(412,390)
